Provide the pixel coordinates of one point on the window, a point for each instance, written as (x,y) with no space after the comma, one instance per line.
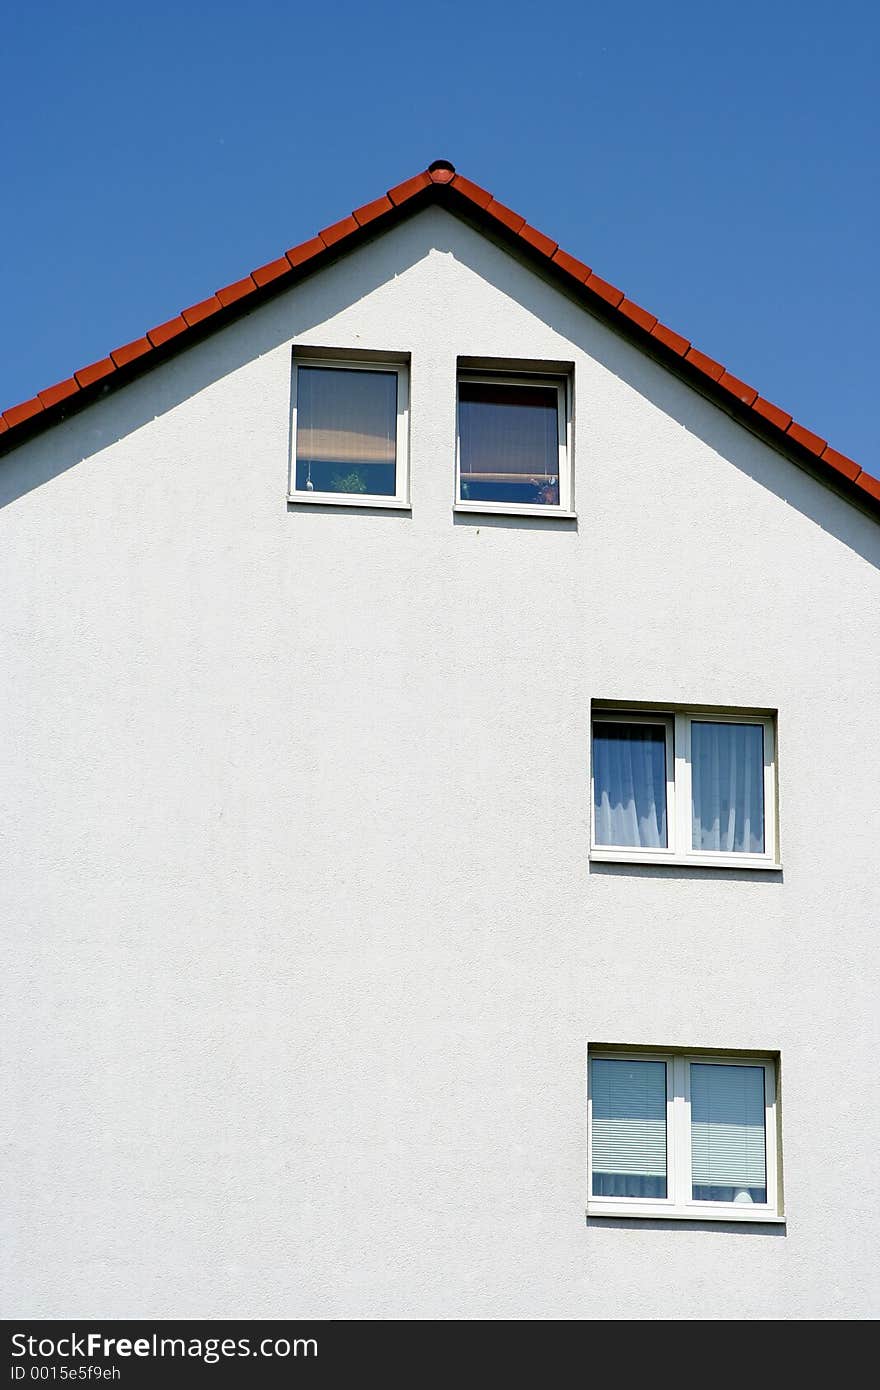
(350,433)
(676,1135)
(684,788)
(513,443)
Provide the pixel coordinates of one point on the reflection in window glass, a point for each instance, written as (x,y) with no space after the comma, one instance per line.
(727,772)
(727,1134)
(629,784)
(346,431)
(508,443)
(628,1101)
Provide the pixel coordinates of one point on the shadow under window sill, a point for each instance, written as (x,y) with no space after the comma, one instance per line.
(738,863)
(755,1225)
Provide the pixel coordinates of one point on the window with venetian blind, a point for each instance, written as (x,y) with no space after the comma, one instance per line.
(681,1135)
(350,425)
(513,450)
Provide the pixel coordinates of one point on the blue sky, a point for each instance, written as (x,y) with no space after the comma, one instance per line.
(718,163)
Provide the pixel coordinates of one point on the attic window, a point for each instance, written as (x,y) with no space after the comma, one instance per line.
(513,443)
(349,430)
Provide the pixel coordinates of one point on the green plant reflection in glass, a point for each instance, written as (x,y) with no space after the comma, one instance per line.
(349,482)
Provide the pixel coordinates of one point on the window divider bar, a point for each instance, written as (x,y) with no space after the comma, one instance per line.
(682,784)
(681,1191)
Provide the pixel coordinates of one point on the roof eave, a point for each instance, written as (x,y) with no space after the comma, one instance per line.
(440,184)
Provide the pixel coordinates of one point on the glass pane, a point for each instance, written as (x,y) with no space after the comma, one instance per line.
(346,431)
(628,1101)
(629,784)
(727,769)
(727,1134)
(509,443)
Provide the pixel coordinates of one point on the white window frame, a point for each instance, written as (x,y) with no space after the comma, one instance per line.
(679,1203)
(679,830)
(562,382)
(400,498)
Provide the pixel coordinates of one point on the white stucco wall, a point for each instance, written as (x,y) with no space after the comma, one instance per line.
(303,945)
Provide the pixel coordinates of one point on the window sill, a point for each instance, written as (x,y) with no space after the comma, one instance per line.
(686,861)
(662,1213)
(513,509)
(335,499)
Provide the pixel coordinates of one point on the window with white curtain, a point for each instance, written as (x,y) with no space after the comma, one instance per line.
(684,787)
(681,1135)
(513,443)
(349,432)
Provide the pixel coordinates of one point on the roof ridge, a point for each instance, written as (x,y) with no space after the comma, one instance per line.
(48,406)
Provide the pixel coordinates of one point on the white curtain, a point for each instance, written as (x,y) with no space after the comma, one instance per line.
(628,1104)
(629,784)
(727,1133)
(727,779)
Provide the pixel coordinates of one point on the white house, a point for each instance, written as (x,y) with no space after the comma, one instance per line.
(438,807)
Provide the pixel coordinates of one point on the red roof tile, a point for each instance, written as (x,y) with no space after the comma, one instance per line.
(230,293)
(737,388)
(869,484)
(639,316)
(305,251)
(53,394)
(123,355)
(843,464)
(409,188)
(807,438)
(87,376)
(265,274)
(540,242)
(159,336)
(370,211)
(610,293)
(770,412)
(499,213)
(338,231)
(571,265)
(472,191)
(670,339)
(17,414)
(441,171)
(704,364)
(440,183)
(197,312)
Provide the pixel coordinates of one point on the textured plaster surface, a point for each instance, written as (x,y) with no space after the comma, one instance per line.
(302,946)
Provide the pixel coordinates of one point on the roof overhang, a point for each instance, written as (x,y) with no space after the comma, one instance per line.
(440,185)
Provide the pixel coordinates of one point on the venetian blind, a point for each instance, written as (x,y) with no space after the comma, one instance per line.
(629,1116)
(727,1126)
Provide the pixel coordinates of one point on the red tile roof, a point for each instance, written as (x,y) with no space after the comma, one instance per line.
(440,183)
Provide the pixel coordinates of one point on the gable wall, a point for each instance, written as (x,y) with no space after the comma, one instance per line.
(305,949)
